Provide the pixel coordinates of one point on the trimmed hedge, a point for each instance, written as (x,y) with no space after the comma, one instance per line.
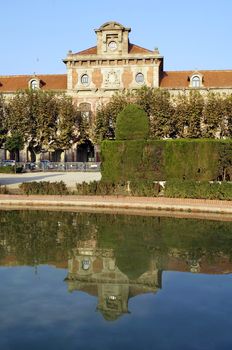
(135,188)
(44,187)
(201,190)
(147,188)
(183,159)
(132,124)
(9,169)
(4,190)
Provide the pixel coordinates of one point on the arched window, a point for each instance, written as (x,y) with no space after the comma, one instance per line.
(139,78)
(85,79)
(85,109)
(34,84)
(196,81)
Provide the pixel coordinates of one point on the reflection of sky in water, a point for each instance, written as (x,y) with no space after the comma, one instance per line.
(191,311)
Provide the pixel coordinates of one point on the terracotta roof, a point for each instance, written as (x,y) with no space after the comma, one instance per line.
(138,49)
(90,51)
(20,82)
(211,78)
(133,49)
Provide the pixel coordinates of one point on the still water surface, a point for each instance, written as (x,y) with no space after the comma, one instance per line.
(99,281)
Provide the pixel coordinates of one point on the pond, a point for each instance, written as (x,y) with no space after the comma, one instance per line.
(74,280)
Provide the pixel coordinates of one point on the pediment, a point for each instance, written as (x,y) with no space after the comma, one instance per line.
(112,26)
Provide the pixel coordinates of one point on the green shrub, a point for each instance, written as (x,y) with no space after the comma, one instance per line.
(201,190)
(132,124)
(134,188)
(145,188)
(44,187)
(9,169)
(4,190)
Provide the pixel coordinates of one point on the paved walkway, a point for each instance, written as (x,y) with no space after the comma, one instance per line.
(102,202)
(120,202)
(70,178)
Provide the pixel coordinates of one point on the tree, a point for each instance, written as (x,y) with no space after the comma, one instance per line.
(225,162)
(3,117)
(14,144)
(194,114)
(214,116)
(132,124)
(107,115)
(46,121)
(228,114)
(161,114)
(180,116)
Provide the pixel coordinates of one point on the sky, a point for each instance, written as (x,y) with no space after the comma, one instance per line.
(190,34)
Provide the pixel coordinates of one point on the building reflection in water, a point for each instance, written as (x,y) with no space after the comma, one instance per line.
(114,257)
(94,270)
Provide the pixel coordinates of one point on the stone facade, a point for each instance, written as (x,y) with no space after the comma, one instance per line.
(95,74)
(115,64)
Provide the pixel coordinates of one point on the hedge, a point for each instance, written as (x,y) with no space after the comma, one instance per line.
(201,190)
(145,188)
(183,159)
(9,169)
(4,190)
(44,187)
(132,124)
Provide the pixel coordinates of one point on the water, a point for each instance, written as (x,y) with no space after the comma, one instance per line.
(99,281)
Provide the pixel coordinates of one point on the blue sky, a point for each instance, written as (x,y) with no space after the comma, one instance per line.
(190,34)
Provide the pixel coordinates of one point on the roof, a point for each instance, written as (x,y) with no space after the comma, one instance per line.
(211,78)
(138,49)
(133,49)
(90,51)
(20,82)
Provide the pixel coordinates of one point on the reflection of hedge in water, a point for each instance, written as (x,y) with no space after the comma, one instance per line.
(38,237)
(136,239)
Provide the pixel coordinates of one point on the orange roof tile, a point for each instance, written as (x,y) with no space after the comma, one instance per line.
(211,79)
(20,82)
(90,51)
(138,49)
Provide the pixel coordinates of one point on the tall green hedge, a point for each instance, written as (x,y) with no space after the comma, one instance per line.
(132,124)
(193,159)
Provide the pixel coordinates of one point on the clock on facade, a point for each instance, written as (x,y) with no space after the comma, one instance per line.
(112,45)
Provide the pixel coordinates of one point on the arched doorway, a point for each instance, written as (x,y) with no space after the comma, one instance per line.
(85,152)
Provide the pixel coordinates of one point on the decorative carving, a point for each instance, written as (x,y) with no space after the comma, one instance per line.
(112,79)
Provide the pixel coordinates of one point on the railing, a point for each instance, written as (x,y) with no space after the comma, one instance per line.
(57,166)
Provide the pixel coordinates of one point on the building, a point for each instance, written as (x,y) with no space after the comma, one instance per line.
(115,64)
(94,270)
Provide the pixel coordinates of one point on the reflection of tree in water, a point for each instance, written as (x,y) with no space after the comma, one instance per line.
(114,257)
(39,236)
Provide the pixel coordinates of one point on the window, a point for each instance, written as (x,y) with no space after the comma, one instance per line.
(139,78)
(85,110)
(34,84)
(86,264)
(85,79)
(196,81)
